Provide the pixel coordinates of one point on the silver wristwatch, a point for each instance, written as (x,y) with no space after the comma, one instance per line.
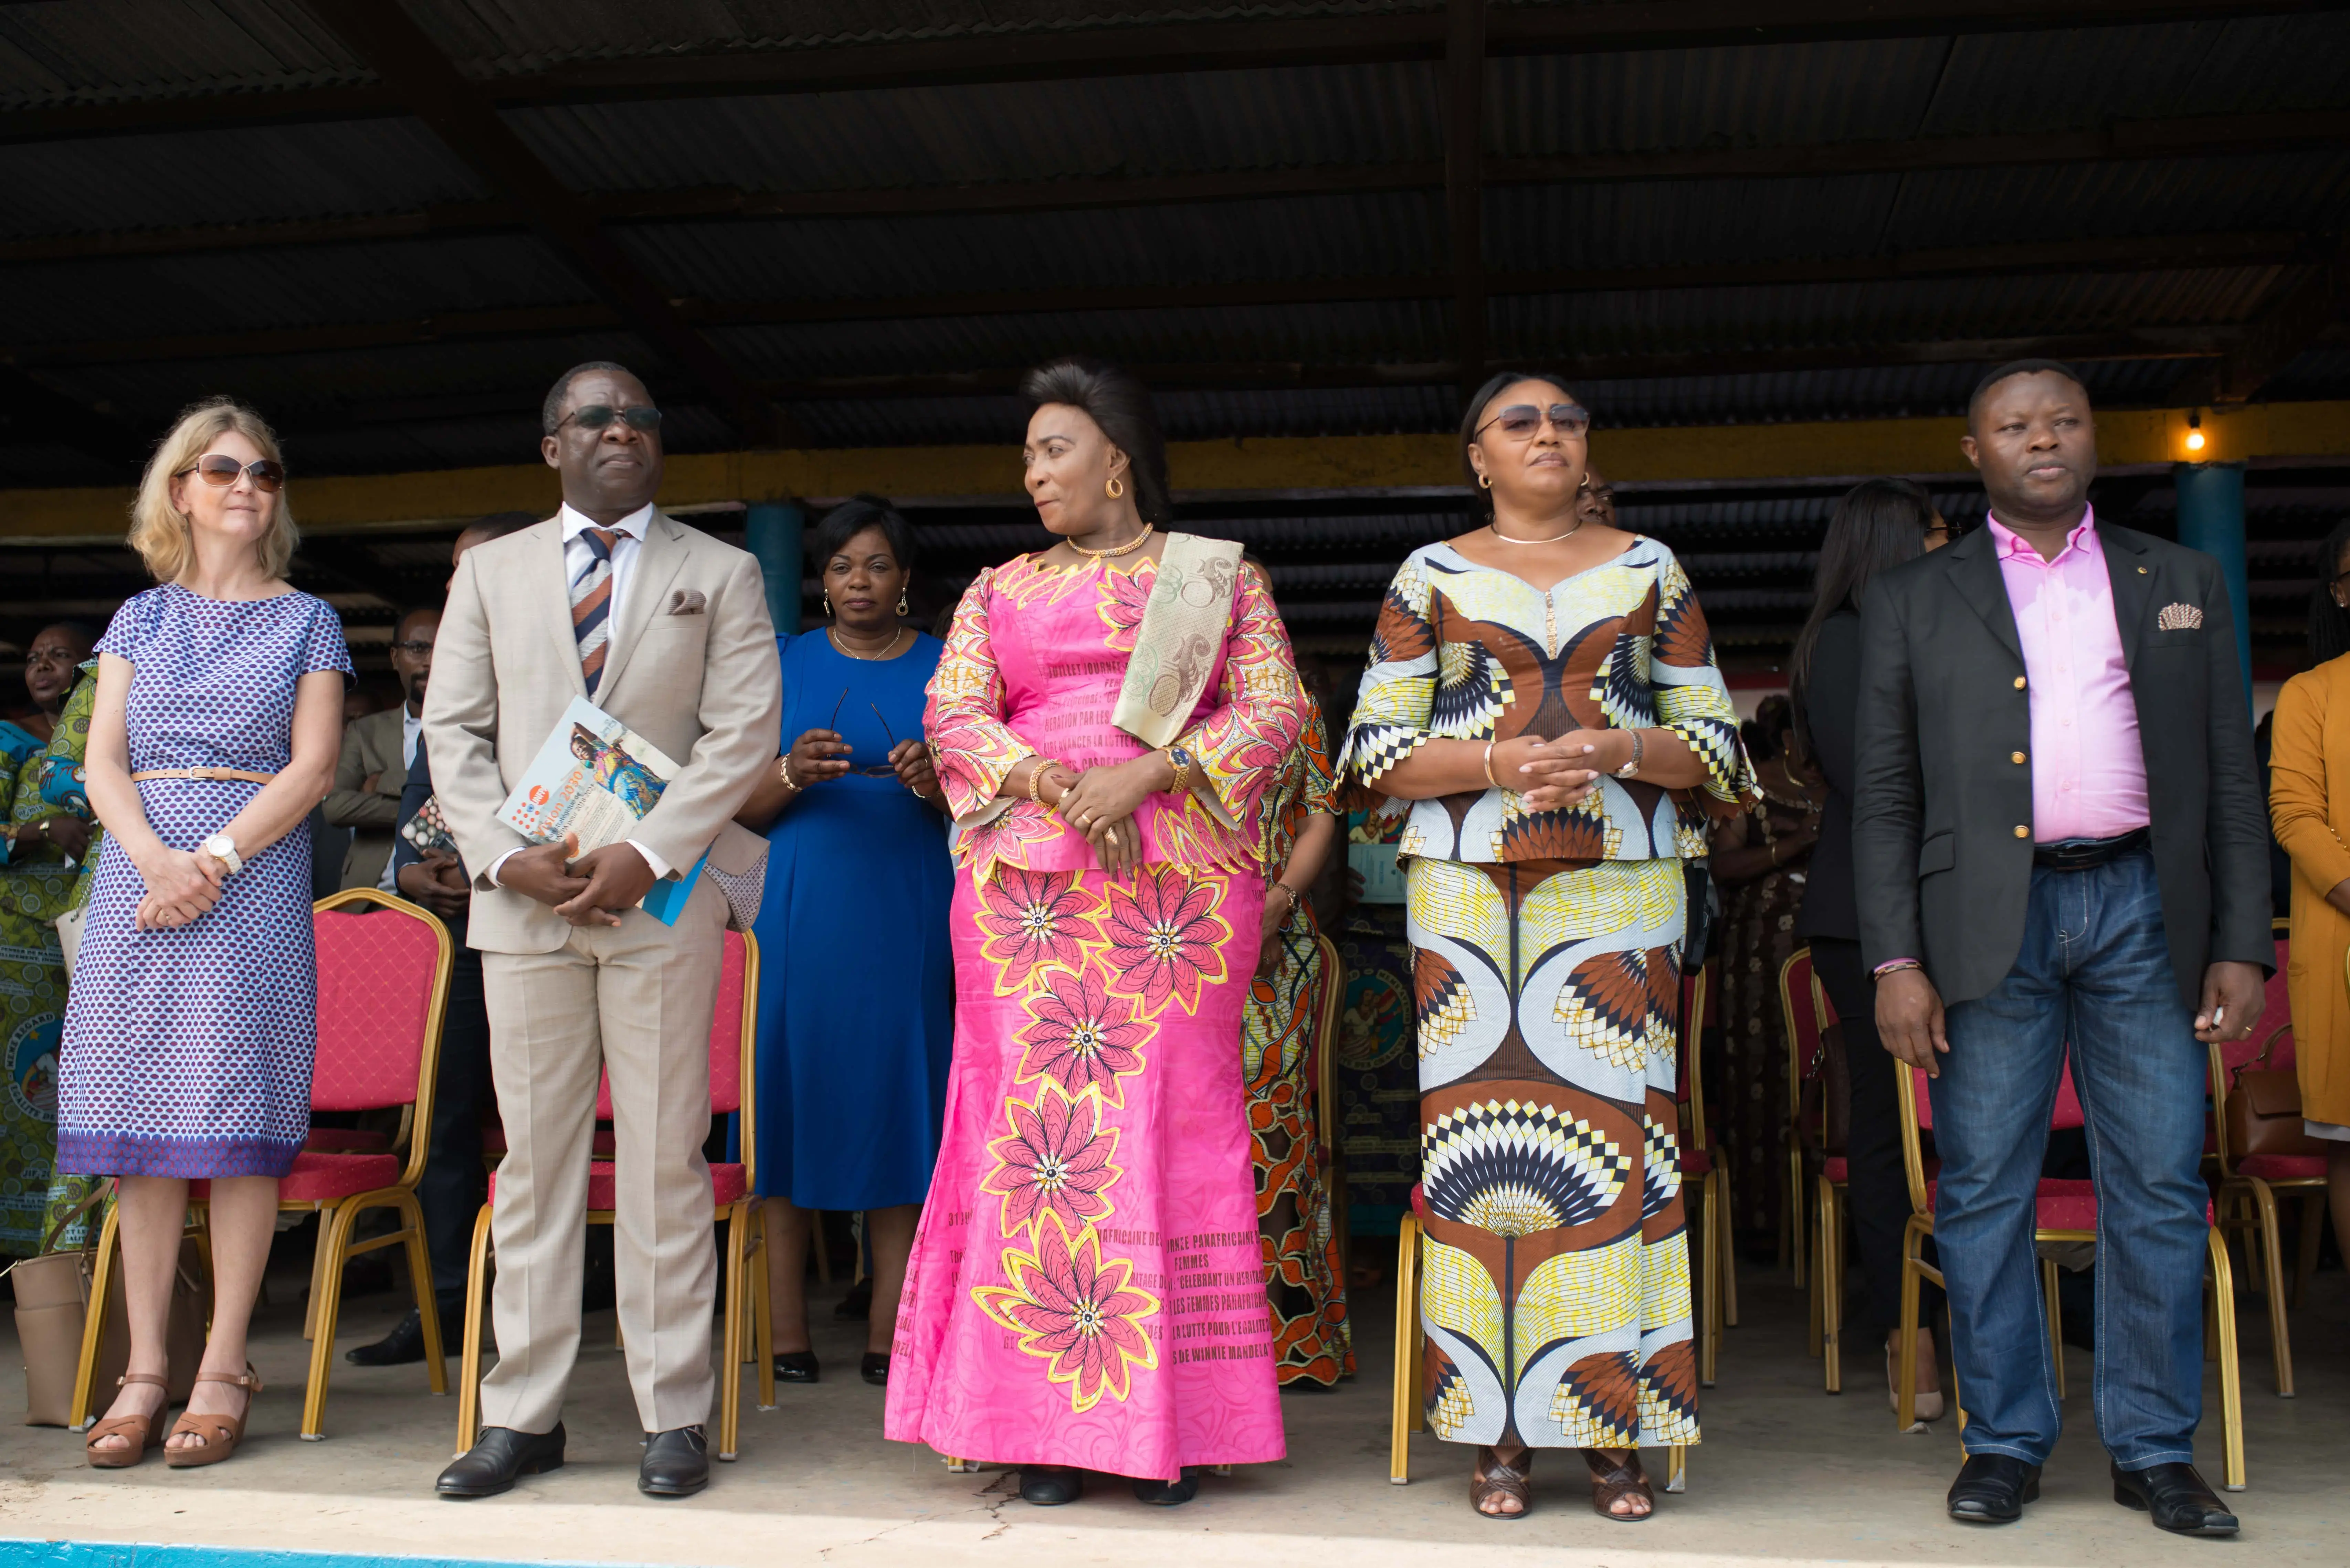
(1632,768)
(223,848)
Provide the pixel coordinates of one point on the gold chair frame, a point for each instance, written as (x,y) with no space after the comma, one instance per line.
(2220,1303)
(336,1217)
(1824,1210)
(746,1284)
(1407,1414)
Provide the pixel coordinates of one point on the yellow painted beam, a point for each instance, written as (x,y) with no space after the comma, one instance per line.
(1834,448)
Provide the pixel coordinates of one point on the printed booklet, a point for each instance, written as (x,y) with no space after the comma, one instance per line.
(597,778)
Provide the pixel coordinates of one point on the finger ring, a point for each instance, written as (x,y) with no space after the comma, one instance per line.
(1111,835)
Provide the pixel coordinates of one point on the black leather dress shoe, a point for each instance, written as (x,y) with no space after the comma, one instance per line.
(1992,1488)
(796,1367)
(874,1368)
(676,1463)
(405,1344)
(2178,1498)
(496,1458)
(1051,1486)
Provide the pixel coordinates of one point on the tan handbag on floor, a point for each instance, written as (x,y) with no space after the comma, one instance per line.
(53,1306)
(2263,1108)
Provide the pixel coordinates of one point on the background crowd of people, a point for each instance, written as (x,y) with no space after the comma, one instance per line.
(1051,907)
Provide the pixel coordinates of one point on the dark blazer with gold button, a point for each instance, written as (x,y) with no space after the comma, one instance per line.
(1943,777)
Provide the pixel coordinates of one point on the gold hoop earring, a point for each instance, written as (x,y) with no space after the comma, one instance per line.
(1484,481)
(901,601)
(1114,489)
(1584,485)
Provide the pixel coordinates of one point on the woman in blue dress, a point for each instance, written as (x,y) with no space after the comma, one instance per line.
(856,984)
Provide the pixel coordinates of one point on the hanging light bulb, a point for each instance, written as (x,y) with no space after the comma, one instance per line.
(2195,432)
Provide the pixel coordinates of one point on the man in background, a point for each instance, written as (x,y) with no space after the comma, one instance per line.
(377,753)
(449,1190)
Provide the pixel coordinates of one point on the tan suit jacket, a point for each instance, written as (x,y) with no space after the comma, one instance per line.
(370,746)
(692,667)
(704,686)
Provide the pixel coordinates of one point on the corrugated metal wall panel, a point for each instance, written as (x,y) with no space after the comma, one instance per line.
(96,50)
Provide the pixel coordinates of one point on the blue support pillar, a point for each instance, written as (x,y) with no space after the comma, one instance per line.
(772,530)
(2211,519)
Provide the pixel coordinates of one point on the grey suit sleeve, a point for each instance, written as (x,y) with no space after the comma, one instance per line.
(461,727)
(741,710)
(1889,788)
(2237,828)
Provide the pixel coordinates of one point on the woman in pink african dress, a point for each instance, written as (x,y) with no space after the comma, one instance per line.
(1085,1292)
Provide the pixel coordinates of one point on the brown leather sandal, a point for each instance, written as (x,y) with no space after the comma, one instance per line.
(1613,1479)
(1491,1478)
(143,1432)
(221,1433)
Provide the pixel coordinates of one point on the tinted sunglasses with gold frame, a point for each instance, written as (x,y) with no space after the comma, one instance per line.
(220,471)
(1519,422)
(596,416)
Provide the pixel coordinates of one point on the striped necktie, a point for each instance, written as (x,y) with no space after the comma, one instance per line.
(591,603)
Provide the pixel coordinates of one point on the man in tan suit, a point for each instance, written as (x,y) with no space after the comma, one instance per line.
(666,630)
(376,751)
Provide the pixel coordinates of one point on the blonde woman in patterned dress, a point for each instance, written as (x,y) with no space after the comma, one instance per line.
(1543,702)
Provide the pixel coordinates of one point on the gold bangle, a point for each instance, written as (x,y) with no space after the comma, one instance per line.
(784,772)
(1294,901)
(1489,765)
(1037,783)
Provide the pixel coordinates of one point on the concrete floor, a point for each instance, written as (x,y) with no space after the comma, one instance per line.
(1785,1475)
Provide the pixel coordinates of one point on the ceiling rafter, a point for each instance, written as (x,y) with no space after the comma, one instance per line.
(2133,253)
(2197,136)
(429,84)
(1149,49)
(1464,189)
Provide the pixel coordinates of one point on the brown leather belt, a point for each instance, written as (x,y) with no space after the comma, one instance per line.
(213,773)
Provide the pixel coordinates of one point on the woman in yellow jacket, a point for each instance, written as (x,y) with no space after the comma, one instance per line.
(2310,753)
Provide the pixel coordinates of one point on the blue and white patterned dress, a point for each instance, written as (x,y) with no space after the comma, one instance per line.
(187,1052)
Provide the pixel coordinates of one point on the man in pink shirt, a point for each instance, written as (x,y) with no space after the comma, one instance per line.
(2058,837)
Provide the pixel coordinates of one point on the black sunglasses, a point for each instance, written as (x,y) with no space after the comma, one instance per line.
(879,770)
(1520,421)
(220,471)
(596,416)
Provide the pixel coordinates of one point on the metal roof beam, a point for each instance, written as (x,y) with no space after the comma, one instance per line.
(1069,53)
(413,68)
(2138,253)
(2197,136)
(2302,310)
(33,413)
(1464,189)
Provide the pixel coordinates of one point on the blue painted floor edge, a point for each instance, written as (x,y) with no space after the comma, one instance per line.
(159,1554)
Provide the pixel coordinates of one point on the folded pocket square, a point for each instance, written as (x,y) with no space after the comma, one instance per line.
(2180,618)
(688,601)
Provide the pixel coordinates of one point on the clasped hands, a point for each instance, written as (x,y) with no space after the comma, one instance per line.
(181,884)
(1099,802)
(1556,775)
(588,889)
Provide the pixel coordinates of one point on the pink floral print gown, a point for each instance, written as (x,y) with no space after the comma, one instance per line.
(1086,1287)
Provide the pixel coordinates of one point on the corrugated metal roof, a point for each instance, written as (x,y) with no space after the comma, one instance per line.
(229,291)
(488,37)
(244,176)
(97,50)
(1132,247)
(888,139)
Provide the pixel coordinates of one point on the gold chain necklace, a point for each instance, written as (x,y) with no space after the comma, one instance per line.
(846,652)
(1125,549)
(1495,530)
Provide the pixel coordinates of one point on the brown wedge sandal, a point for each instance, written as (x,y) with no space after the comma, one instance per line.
(141,1432)
(221,1433)
(1613,1479)
(1491,1479)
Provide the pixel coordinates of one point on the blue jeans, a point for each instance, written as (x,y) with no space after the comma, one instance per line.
(2095,970)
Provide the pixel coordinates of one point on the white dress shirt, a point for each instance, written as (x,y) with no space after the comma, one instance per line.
(578,555)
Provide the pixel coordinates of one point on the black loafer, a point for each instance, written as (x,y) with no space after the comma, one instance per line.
(1050,1486)
(676,1463)
(1165,1493)
(405,1344)
(496,1458)
(796,1367)
(1992,1488)
(2179,1499)
(874,1368)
